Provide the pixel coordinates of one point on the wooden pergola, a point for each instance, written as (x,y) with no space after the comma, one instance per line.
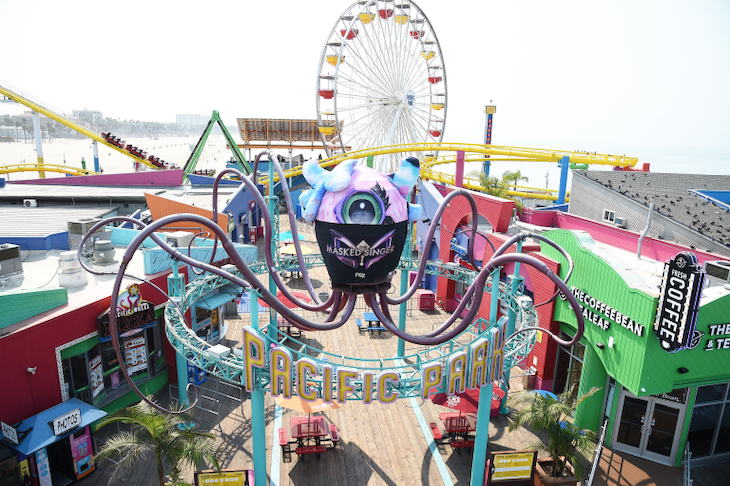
(267,133)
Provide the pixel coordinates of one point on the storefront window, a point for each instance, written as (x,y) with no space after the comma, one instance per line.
(569,367)
(96,376)
(710,393)
(709,430)
(701,430)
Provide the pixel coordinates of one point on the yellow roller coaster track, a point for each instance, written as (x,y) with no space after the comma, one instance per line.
(475,153)
(94,136)
(6,169)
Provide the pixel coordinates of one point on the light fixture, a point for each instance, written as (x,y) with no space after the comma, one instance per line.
(682,370)
(600,345)
(32,370)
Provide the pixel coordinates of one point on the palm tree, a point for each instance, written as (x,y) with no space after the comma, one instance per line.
(158,433)
(513,178)
(549,413)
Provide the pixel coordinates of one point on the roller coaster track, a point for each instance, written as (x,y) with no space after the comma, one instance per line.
(70,124)
(75,171)
(230,368)
(475,153)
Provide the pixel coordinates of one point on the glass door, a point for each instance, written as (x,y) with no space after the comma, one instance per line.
(632,417)
(648,427)
(661,431)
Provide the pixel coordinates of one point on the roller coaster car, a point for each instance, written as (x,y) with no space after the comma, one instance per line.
(156,161)
(136,151)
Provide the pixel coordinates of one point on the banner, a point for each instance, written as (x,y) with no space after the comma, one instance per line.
(360,254)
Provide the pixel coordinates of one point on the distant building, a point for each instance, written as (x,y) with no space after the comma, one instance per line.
(189,119)
(15,132)
(89,116)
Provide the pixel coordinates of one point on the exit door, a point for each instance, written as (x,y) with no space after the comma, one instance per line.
(648,427)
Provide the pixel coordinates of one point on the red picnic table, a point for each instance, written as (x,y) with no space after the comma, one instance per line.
(458,427)
(308,429)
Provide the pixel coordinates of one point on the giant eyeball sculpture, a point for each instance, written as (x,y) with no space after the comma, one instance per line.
(361,220)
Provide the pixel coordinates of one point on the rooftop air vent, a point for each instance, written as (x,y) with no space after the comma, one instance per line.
(79,227)
(10,262)
(718,270)
(179,239)
(71,274)
(104,252)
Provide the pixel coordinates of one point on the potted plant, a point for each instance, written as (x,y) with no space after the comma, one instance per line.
(561,439)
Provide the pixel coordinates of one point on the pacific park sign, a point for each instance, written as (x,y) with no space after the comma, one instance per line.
(475,365)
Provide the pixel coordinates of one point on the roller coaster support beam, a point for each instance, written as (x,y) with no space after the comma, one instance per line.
(258,411)
(38,143)
(198,150)
(95,147)
(564,165)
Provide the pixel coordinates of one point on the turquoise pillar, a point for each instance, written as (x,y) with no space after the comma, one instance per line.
(176,291)
(272,203)
(258,411)
(403,308)
(494,303)
(508,330)
(481,441)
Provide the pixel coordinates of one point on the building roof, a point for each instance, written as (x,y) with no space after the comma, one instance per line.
(18,192)
(20,221)
(676,196)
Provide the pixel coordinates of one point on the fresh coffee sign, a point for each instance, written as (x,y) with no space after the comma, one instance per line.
(679,301)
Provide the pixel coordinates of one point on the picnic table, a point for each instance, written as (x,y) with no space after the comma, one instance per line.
(288,328)
(459,426)
(374,324)
(308,429)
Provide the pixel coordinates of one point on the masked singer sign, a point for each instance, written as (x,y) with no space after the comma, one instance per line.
(360,254)
(361,218)
(679,301)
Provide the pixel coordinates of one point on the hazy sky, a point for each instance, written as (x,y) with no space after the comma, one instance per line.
(644,78)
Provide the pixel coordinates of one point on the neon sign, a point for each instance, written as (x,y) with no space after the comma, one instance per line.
(478,364)
(679,301)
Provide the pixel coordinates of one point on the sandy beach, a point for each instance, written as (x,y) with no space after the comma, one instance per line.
(70,152)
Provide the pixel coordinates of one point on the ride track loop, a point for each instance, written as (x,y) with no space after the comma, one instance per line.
(188,344)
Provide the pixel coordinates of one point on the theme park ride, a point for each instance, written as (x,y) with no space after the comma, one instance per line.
(139,155)
(362,220)
(381,81)
(192,161)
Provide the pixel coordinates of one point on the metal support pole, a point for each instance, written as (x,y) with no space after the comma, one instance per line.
(176,291)
(481,441)
(38,144)
(258,411)
(509,330)
(272,205)
(564,164)
(490,110)
(95,148)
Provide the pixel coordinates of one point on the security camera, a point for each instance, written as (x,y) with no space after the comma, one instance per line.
(32,370)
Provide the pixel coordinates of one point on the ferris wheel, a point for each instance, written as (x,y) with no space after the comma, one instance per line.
(381,80)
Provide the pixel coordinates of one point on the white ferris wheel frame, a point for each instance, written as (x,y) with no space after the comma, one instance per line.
(383,70)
